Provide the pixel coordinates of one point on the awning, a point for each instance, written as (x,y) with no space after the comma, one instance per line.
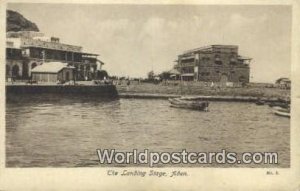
(187,57)
(188,75)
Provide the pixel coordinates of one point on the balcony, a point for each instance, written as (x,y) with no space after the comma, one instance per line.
(55,60)
(190,64)
(26,43)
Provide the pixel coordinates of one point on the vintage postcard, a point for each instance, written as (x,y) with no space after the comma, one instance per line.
(183,95)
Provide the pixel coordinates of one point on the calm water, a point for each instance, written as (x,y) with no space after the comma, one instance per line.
(63,131)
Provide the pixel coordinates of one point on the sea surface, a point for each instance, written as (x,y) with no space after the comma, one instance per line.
(65,131)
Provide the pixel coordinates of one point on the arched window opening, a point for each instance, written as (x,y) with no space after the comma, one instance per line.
(15,71)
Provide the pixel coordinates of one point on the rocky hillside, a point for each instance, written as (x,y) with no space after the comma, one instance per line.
(16,22)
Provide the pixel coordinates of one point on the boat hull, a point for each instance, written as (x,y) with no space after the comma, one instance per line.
(282,114)
(194,105)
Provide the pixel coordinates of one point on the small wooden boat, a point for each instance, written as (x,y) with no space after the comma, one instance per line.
(282,112)
(189,104)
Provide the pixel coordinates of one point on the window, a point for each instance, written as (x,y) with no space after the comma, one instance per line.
(7,70)
(188,60)
(218,50)
(218,62)
(218,59)
(15,71)
(242,79)
(33,65)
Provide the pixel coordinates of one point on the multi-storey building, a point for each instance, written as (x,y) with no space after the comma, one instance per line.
(215,63)
(28,49)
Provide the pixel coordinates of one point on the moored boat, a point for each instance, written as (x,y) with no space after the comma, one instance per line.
(282,112)
(189,104)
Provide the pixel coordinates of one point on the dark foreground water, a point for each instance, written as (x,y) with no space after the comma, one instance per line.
(65,131)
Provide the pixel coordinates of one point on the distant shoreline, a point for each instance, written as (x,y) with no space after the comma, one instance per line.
(142,90)
(163,91)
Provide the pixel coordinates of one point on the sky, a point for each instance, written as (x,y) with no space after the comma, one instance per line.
(135,39)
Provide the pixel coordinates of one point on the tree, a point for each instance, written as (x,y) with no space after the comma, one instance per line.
(151,75)
(102,74)
(165,75)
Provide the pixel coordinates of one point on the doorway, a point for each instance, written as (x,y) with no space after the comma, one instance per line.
(25,70)
(15,71)
(67,76)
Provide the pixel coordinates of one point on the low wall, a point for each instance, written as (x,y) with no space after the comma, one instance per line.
(186,89)
(101,90)
(197,97)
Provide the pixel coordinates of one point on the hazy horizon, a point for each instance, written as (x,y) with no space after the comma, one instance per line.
(134,39)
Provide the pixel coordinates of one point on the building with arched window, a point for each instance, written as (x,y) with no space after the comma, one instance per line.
(26,50)
(215,63)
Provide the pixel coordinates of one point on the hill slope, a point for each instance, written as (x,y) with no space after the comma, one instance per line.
(16,22)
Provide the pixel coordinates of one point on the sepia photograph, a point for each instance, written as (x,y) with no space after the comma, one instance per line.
(132,86)
(159,77)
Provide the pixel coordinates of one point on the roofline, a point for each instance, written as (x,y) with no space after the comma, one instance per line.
(283,78)
(85,53)
(26,38)
(209,46)
(32,46)
(101,62)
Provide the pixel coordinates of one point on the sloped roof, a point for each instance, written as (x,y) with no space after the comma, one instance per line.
(187,74)
(51,67)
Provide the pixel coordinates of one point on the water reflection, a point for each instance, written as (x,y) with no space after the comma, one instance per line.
(65,131)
